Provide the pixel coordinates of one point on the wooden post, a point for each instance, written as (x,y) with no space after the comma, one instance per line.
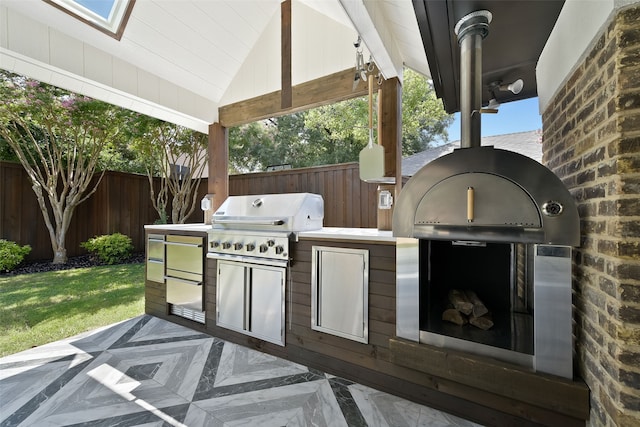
(218,183)
(285,47)
(390,136)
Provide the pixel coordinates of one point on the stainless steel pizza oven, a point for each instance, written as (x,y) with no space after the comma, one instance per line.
(487,226)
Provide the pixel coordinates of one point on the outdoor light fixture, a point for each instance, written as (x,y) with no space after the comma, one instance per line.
(515,88)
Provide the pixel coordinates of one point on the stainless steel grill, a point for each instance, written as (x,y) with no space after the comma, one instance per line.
(250,240)
(259,228)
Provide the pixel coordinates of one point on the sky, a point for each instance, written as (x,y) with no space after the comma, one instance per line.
(512,117)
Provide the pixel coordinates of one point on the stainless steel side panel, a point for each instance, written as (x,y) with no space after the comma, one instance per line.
(407,289)
(552,313)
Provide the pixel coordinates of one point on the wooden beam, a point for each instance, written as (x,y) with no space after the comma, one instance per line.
(285,46)
(322,91)
(390,137)
(390,126)
(218,182)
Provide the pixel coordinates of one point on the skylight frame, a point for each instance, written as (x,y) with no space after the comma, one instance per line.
(113,26)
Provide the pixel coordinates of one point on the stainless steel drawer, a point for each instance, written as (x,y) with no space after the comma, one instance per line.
(155,247)
(155,270)
(155,258)
(185,293)
(184,253)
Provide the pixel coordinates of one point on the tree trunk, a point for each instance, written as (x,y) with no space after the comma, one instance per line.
(60,256)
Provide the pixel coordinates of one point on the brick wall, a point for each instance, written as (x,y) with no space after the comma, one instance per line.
(592,142)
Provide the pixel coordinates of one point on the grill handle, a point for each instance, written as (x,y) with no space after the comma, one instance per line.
(249,221)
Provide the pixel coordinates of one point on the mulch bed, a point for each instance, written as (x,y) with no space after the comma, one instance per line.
(81,261)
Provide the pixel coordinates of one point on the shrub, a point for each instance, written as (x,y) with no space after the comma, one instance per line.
(111,248)
(12,254)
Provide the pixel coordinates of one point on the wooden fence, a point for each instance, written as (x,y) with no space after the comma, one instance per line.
(122,204)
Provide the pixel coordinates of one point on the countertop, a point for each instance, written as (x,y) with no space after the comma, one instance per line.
(179,227)
(357,234)
(326,233)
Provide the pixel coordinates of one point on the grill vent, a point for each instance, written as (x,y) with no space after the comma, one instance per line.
(187,313)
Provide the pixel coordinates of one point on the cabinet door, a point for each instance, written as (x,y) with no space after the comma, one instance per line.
(230,300)
(340,291)
(267,303)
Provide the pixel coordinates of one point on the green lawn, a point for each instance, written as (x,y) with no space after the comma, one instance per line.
(40,308)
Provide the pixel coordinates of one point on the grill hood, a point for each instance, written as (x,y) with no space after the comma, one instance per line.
(291,212)
(511,198)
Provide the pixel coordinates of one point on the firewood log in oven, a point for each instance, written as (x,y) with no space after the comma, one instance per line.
(460,301)
(465,307)
(482,322)
(479,309)
(454,316)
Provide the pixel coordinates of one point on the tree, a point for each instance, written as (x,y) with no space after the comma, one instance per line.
(424,119)
(178,156)
(58,137)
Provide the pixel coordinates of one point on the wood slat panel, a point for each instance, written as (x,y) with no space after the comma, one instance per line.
(567,397)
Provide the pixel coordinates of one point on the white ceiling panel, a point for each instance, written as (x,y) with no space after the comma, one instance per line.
(98,65)
(31,38)
(183,59)
(66,52)
(125,76)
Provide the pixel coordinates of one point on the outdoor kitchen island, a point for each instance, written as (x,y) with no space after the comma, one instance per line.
(481,389)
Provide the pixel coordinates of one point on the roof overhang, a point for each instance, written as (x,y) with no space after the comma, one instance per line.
(518,33)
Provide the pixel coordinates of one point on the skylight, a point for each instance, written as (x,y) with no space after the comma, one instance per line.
(109,16)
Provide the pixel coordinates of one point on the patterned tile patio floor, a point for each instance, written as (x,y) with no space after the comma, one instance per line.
(149,372)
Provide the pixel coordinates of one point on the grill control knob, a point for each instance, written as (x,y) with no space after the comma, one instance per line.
(271,242)
(237,246)
(279,250)
(263,248)
(226,245)
(215,244)
(251,247)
